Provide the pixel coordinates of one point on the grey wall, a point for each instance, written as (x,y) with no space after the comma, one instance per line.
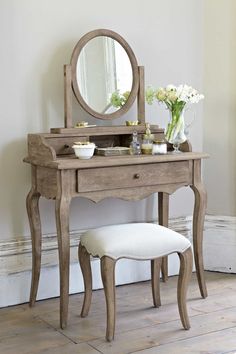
(220,105)
(37,38)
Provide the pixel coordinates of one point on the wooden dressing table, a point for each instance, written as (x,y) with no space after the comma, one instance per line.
(58,175)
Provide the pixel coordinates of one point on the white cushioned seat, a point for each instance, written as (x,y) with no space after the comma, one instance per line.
(136,241)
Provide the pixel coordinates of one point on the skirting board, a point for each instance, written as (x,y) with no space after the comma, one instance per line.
(15,261)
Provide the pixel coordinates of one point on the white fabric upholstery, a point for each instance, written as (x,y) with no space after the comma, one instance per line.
(136,241)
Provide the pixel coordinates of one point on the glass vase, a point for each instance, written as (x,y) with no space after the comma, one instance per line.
(175,131)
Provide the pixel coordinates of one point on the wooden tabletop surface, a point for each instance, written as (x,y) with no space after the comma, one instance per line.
(71,162)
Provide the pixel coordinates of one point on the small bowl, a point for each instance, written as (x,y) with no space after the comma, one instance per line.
(130,122)
(84,152)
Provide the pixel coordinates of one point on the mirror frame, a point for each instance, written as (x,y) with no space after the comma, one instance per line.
(134,65)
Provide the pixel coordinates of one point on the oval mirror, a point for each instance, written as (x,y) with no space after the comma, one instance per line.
(104,74)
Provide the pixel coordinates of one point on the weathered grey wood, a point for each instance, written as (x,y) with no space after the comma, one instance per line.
(198,222)
(186,265)
(32,205)
(84,260)
(133,176)
(218,342)
(131,194)
(63,144)
(62,222)
(141,96)
(155,280)
(163,217)
(138,328)
(39,149)
(67,97)
(125,177)
(108,279)
(107,130)
(47,182)
(101,161)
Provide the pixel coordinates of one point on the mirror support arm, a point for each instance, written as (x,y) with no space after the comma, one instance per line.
(67,96)
(141,96)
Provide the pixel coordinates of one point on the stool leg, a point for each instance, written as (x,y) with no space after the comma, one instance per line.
(108,279)
(155,273)
(186,265)
(84,260)
(163,217)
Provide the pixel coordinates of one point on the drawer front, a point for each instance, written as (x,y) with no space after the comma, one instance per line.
(108,178)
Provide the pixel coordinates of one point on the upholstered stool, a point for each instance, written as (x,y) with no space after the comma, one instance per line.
(140,241)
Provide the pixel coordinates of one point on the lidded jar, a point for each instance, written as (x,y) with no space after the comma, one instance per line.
(159,147)
(147,142)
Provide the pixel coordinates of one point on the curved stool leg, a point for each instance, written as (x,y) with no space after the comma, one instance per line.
(186,264)
(84,260)
(108,279)
(155,274)
(163,217)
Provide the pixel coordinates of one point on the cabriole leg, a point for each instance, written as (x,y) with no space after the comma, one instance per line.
(84,260)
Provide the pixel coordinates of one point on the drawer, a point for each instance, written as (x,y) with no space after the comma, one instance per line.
(107,178)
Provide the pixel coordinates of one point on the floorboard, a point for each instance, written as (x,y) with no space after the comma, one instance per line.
(140,328)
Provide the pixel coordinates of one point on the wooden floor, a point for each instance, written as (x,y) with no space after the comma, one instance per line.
(140,327)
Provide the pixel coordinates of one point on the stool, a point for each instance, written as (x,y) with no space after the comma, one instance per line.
(139,241)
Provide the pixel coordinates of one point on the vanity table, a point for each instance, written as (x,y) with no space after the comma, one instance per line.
(57,174)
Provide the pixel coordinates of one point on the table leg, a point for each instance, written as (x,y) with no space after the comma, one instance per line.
(32,204)
(62,206)
(163,217)
(198,223)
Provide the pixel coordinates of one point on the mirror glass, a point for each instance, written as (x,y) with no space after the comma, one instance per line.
(104,75)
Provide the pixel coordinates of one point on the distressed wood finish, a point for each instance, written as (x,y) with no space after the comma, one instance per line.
(67,97)
(109,130)
(60,176)
(131,194)
(32,205)
(198,223)
(155,281)
(62,223)
(163,217)
(141,96)
(108,279)
(49,189)
(84,260)
(139,328)
(133,176)
(186,265)
(133,61)
(39,149)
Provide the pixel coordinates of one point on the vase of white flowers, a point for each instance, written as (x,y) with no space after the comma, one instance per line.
(176,99)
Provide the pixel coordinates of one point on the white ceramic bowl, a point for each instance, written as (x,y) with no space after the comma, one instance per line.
(84,152)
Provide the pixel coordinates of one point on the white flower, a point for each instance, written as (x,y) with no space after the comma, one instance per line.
(173,95)
(170,88)
(161,94)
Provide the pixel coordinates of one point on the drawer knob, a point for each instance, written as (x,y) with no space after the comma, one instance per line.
(66,146)
(137,175)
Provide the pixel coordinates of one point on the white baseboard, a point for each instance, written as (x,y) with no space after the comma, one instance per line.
(15,261)
(219,247)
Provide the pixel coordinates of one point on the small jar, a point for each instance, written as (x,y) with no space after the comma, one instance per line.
(135,145)
(147,147)
(147,142)
(159,147)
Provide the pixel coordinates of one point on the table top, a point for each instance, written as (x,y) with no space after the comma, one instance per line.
(72,162)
